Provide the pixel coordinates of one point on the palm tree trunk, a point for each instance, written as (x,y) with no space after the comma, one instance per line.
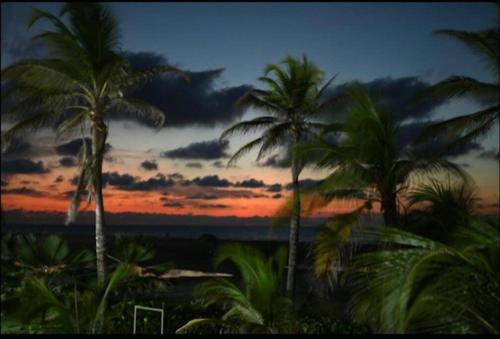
(99,134)
(390,211)
(294,227)
(98,140)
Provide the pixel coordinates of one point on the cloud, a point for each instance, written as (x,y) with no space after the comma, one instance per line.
(173,204)
(277,196)
(116,179)
(208,206)
(23,166)
(196,102)
(250,183)
(194,165)
(59,178)
(3,183)
(304,183)
(149,165)
(397,94)
(274,188)
(490,154)
(205,150)
(282,160)
(202,196)
(16,148)
(211,181)
(72,148)
(67,162)
(408,133)
(127,182)
(24,191)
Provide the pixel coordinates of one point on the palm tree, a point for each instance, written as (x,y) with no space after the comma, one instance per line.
(436,208)
(419,285)
(466,128)
(48,256)
(85,79)
(259,306)
(293,97)
(70,312)
(366,160)
(367,164)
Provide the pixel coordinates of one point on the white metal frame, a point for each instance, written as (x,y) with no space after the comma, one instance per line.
(138,307)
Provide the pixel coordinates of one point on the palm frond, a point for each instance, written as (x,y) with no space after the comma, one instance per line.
(243,150)
(245,127)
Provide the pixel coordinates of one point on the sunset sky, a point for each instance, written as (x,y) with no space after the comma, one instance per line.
(180,169)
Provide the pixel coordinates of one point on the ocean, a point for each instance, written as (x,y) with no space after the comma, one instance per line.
(251,233)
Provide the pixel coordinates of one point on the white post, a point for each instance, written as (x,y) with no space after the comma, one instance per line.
(160,310)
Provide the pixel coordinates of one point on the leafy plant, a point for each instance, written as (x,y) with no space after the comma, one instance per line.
(258,306)
(418,285)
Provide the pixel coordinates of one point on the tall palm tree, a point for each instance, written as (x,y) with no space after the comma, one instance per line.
(85,78)
(293,97)
(466,128)
(259,306)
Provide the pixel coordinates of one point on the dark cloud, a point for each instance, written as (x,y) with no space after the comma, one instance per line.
(127,182)
(250,183)
(149,165)
(194,165)
(202,196)
(213,206)
(211,181)
(67,162)
(4,183)
(24,191)
(23,166)
(116,179)
(490,154)
(16,147)
(396,94)
(187,103)
(304,183)
(218,164)
(205,150)
(173,204)
(59,178)
(72,148)
(277,196)
(282,160)
(274,188)
(175,176)
(408,133)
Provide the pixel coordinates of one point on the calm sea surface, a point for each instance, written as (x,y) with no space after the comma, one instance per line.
(190,232)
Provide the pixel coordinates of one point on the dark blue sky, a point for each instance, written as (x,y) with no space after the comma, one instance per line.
(361,41)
